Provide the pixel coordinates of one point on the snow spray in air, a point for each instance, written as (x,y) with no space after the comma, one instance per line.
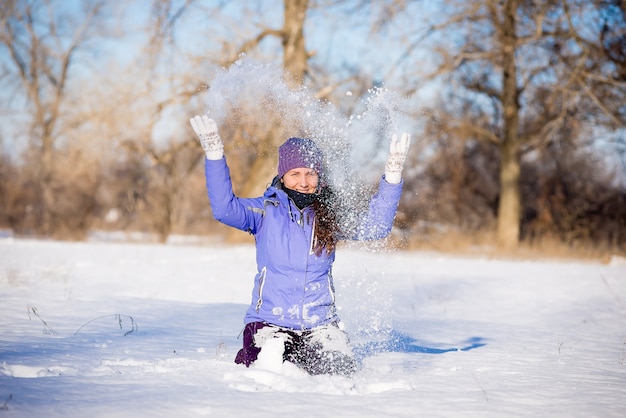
(355,146)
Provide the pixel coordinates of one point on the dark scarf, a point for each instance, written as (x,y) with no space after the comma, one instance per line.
(302,200)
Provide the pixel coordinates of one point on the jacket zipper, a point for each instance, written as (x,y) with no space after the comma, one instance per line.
(261,284)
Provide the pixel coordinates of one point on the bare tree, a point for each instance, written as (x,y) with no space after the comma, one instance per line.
(42,47)
(531,74)
(157,163)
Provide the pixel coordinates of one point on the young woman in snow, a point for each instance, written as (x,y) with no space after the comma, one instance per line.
(296,230)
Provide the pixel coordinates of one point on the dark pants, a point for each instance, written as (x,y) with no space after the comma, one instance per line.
(300,349)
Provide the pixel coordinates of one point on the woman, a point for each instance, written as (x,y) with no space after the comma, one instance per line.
(295,228)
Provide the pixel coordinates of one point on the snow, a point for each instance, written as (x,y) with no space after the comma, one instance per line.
(103,329)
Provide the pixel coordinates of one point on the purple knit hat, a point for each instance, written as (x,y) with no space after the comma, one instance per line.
(299,153)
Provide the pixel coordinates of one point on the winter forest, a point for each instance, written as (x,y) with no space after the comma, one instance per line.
(500,291)
(516,111)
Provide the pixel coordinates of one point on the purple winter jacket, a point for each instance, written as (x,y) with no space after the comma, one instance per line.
(293,287)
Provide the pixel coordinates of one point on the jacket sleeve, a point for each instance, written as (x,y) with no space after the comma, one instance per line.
(240,213)
(378,221)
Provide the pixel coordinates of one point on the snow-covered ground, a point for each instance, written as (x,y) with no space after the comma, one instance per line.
(144,330)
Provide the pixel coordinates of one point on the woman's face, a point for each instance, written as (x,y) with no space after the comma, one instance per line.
(303,180)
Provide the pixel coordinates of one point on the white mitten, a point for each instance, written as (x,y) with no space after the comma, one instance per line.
(397,155)
(206,131)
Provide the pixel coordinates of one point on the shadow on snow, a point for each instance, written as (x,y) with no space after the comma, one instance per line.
(402,343)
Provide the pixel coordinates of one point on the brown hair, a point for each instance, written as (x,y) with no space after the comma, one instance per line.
(327,226)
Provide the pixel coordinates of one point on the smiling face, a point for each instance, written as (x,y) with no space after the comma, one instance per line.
(303,180)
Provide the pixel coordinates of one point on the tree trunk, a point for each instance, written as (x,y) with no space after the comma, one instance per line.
(294,49)
(509,206)
(47,224)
